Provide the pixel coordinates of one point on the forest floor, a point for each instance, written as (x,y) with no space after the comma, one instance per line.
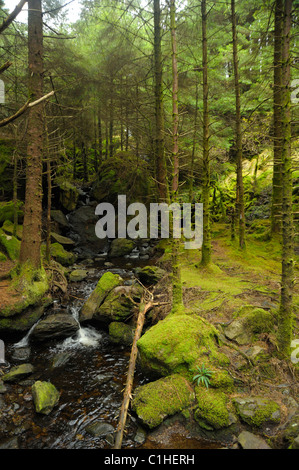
(236,279)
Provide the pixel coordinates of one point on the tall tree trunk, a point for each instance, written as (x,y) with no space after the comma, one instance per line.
(191,182)
(176,269)
(285,322)
(160,161)
(206,246)
(240,187)
(31,240)
(100,137)
(277,95)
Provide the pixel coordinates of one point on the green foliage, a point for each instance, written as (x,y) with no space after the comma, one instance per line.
(203,377)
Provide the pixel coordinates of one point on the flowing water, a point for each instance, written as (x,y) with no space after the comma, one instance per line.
(90,374)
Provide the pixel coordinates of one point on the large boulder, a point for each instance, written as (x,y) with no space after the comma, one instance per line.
(150,274)
(118,305)
(165,397)
(62,256)
(105,285)
(68,194)
(24,320)
(45,397)
(83,221)
(212,411)
(180,343)
(121,247)
(121,333)
(59,325)
(250,321)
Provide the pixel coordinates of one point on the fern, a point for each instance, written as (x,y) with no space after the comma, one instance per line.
(203,377)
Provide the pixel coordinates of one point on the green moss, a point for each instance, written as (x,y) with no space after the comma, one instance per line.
(257,411)
(60,255)
(165,397)
(8,227)
(121,333)
(69,194)
(105,285)
(7,211)
(10,244)
(2,257)
(211,410)
(179,344)
(45,397)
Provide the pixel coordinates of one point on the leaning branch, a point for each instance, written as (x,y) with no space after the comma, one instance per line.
(130,377)
(24,108)
(12,16)
(5,66)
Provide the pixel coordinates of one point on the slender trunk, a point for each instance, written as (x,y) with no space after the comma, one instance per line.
(160,161)
(49,195)
(191,195)
(240,188)
(31,241)
(15,193)
(177,292)
(277,95)
(111,119)
(74,157)
(285,322)
(100,138)
(206,246)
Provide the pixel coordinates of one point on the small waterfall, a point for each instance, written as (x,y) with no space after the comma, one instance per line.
(86,336)
(24,342)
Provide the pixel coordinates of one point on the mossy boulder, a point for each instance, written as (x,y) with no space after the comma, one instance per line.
(62,256)
(24,320)
(165,397)
(105,285)
(18,373)
(68,194)
(249,322)
(150,274)
(121,247)
(180,343)
(10,244)
(8,228)
(78,275)
(2,257)
(45,397)
(257,411)
(212,411)
(121,333)
(7,211)
(62,240)
(118,305)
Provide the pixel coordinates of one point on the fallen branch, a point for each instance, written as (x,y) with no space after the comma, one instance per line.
(24,108)
(12,16)
(5,66)
(130,377)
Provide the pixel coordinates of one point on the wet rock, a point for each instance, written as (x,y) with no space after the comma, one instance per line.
(59,217)
(102,379)
(83,222)
(62,240)
(257,411)
(45,397)
(21,354)
(121,247)
(247,440)
(59,325)
(121,333)
(61,359)
(140,436)
(18,373)
(78,275)
(99,429)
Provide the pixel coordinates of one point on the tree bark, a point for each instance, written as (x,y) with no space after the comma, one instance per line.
(206,246)
(31,240)
(285,321)
(160,161)
(277,97)
(240,188)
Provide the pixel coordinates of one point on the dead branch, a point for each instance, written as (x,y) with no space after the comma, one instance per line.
(24,108)
(5,66)
(12,16)
(144,308)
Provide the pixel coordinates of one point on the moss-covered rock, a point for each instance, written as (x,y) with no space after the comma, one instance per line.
(61,255)
(121,333)
(8,228)
(7,211)
(211,412)
(249,322)
(150,274)
(179,344)
(121,247)
(257,411)
(69,194)
(118,305)
(105,285)
(10,244)
(24,320)
(78,275)
(18,373)
(2,257)
(45,397)
(165,397)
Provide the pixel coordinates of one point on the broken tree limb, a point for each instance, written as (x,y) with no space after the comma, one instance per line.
(12,16)
(24,108)
(5,66)
(144,308)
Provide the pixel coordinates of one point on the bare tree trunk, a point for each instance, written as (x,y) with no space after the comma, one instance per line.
(285,321)
(31,240)
(240,188)
(206,246)
(160,161)
(277,95)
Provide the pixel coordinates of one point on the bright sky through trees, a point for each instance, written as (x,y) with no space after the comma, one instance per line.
(73,10)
